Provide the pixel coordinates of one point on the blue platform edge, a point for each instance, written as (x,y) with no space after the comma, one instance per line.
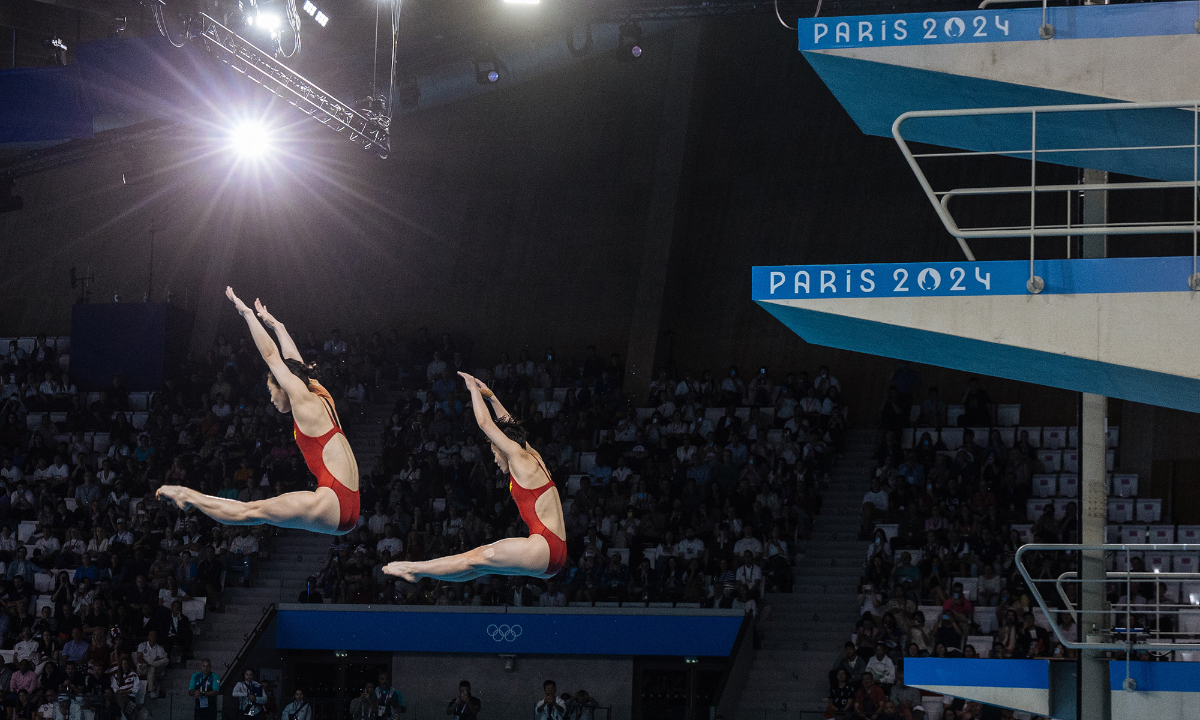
(996,25)
(875,94)
(544,633)
(950,672)
(951,279)
(1156,676)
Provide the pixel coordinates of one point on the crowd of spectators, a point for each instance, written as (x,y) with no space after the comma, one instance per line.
(941,579)
(670,502)
(92,603)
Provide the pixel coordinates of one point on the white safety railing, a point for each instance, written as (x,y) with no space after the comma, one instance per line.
(1156,623)
(941,199)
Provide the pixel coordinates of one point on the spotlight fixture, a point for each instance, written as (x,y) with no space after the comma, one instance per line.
(250,140)
(315,13)
(487,67)
(629,41)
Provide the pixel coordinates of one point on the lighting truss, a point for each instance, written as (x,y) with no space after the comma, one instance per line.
(369,130)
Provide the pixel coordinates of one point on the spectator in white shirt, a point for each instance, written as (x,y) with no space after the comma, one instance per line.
(221,408)
(389,542)
(378,521)
(882,667)
(11,473)
(26,648)
(621,473)
(152,660)
(824,381)
(690,547)
(335,345)
(436,367)
(748,543)
(45,550)
(553,597)
(877,496)
(749,574)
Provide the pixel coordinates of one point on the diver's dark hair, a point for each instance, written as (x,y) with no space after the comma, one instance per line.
(513,429)
(307,372)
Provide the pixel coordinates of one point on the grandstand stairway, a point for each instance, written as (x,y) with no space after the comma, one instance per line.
(279,577)
(807,627)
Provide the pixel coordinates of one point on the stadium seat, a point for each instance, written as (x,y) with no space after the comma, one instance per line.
(644,414)
(970,587)
(1073,436)
(623,552)
(1120,511)
(1054,438)
(1149,510)
(919,432)
(537,395)
(1125,485)
(952,414)
(981,438)
(573,484)
(1114,435)
(1070,461)
(906,438)
(1110,459)
(42,601)
(775,436)
(1068,485)
(43,582)
(1133,535)
(1161,535)
(1123,558)
(1035,435)
(1051,460)
(100,442)
(1157,561)
(1112,534)
(587,462)
(889,529)
(1024,532)
(139,401)
(1008,415)
(1034,507)
(952,438)
(26,343)
(985,618)
(194,609)
(138,420)
(25,530)
(1185,562)
(1189,534)
(560,394)
(1008,435)
(931,613)
(982,644)
(1045,485)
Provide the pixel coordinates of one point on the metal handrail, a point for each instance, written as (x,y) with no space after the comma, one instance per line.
(940,199)
(1129,643)
(252,638)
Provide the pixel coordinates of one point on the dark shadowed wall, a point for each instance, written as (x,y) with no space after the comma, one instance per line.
(516,218)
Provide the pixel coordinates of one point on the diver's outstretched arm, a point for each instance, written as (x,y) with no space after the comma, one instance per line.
(288,382)
(287,346)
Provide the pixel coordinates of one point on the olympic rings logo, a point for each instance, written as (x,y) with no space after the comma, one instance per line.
(502,633)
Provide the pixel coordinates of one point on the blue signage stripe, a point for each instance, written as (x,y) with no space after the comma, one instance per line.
(1007,277)
(543,633)
(1156,676)
(982,26)
(1032,674)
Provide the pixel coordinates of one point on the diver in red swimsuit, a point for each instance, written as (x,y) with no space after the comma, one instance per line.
(544,552)
(333,507)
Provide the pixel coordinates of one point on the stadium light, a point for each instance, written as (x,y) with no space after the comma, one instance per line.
(310,8)
(250,139)
(321,18)
(522,2)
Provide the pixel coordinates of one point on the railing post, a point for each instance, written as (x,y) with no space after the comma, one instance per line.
(1035,284)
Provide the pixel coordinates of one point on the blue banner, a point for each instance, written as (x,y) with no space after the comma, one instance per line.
(563,631)
(1006,277)
(979,26)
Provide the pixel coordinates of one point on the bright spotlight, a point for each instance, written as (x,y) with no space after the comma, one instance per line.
(268,21)
(522,2)
(321,18)
(310,8)
(250,140)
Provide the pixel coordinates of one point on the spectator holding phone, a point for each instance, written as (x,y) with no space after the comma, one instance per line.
(463,707)
(388,698)
(550,707)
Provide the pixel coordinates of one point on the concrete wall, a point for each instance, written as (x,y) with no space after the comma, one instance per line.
(430,681)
